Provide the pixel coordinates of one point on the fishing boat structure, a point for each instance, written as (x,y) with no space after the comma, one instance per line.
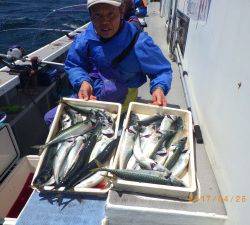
(207,80)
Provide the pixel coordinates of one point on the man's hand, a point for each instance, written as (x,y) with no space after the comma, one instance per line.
(158,97)
(86,92)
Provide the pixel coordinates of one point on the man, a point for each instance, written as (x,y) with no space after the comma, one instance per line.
(141,8)
(111,59)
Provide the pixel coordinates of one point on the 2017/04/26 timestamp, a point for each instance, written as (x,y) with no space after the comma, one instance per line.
(219,198)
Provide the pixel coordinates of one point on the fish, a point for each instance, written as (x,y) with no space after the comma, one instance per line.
(176,153)
(108,123)
(177,124)
(133,123)
(166,123)
(145,162)
(46,169)
(93,180)
(66,122)
(73,131)
(181,164)
(149,140)
(86,171)
(99,146)
(60,158)
(74,115)
(150,119)
(95,114)
(145,176)
(72,156)
(166,137)
(87,111)
(132,163)
(82,159)
(169,151)
(160,154)
(127,146)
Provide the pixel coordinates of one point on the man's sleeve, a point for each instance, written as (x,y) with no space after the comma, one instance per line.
(76,64)
(154,64)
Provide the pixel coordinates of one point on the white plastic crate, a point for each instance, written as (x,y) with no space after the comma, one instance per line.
(11,187)
(156,189)
(113,108)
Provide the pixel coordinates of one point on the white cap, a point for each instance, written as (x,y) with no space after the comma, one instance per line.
(110,2)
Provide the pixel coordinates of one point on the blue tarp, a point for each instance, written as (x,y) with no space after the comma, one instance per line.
(63,209)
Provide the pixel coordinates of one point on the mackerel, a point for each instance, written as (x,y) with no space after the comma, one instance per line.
(66,122)
(181,164)
(150,119)
(126,150)
(72,156)
(93,180)
(86,171)
(82,159)
(177,125)
(73,131)
(74,116)
(60,158)
(144,176)
(176,154)
(46,169)
(167,137)
(100,146)
(166,123)
(145,162)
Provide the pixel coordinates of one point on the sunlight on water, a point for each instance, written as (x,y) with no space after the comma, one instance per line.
(38,24)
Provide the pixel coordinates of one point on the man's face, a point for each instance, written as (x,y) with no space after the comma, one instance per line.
(106,19)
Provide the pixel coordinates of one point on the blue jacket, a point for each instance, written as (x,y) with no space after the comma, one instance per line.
(144,59)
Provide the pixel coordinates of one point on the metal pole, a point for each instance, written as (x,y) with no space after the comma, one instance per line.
(52,63)
(184,80)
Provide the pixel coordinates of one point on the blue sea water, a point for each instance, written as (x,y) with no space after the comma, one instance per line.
(27,22)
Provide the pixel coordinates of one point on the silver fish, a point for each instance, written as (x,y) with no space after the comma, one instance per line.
(162,160)
(176,154)
(66,122)
(60,158)
(154,177)
(93,180)
(72,156)
(126,150)
(149,140)
(166,123)
(71,132)
(150,119)
(100,146)
(180,165)
(144,162)
(74,115)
